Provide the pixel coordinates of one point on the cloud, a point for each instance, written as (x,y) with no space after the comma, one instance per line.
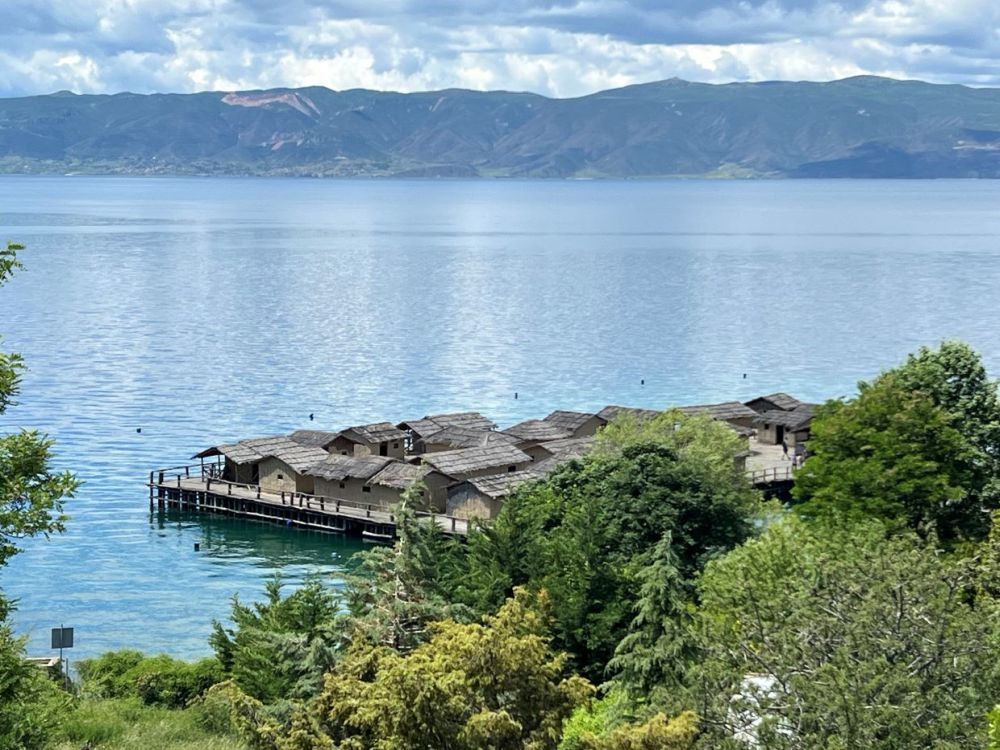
(552,47)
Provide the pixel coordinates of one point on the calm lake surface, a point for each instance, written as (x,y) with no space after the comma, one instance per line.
(205,310)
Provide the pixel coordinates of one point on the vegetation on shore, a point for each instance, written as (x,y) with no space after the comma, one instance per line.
(644,596)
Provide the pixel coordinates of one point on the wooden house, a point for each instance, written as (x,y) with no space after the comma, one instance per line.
(380,439)
(483,497)
(284,466)
(418,429)
(577,423)
(346,478)
(240,462)
(389,484)
(565,449)
(467,463)
(792,427)
(534,432)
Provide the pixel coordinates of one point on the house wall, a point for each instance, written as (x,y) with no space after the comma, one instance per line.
(492,470)
(767,433)
(352,490)
(590,427)
(277,476)
(465,501)
(538,451)
(345,447)
(240,473)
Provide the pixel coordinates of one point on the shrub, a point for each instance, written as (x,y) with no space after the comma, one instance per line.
(156,680)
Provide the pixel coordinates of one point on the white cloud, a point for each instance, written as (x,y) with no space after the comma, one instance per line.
(553,47)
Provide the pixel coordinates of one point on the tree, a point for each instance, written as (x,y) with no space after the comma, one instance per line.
(817,636)
(496,685)
(396,591)
(31,494)
(280,648)
(585,534)
(919,446)
(30,703)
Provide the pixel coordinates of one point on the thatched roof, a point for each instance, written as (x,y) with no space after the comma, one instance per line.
(314,438)
(497,486)
(570,420)
(609,413)
(468,460)
(298,457)
(570,447)
(724,411)
(537,430)
(372,434)
(777,400)
(246,451)
(464,437)
(336,467)
(399,475)
(797,419)
(472,420)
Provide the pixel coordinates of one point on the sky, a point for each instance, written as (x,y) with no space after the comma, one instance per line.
(557,48)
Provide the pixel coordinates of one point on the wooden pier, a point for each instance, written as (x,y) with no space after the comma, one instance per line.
(197,488)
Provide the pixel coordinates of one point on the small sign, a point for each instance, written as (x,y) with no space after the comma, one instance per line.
(62,637)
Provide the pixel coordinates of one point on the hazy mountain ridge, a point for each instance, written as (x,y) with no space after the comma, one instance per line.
(857,127)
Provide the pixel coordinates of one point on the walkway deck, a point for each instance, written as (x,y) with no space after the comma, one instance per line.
(182,487)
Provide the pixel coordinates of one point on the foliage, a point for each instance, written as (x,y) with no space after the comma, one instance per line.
(821,636)
(585,534)
(156,680)
(919,446)
(491,685)
(127,724)
(397,591)
(280,648)
(30,493)
(30,702)
(608,724)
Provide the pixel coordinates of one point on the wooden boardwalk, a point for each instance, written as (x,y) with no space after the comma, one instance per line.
(186,488)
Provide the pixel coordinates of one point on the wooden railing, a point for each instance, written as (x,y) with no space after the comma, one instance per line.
(772,474)
(173,476)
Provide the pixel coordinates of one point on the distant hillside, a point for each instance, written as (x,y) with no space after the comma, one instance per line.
(858,127)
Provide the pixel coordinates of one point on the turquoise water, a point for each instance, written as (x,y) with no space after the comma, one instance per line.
(203,310)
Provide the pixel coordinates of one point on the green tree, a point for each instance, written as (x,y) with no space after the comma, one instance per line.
(280,648)
(31,494)
(831,637)
(585,534)
(396,592)
(496,685)
(919,446)
(30,702)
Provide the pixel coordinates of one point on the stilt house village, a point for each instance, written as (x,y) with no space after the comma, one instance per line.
(352,478)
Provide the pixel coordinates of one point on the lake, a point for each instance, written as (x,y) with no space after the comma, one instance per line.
(206,310)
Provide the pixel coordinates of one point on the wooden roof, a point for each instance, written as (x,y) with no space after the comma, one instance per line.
(429,424)
(246,451)
(497,486)
(780,400)
(399,475)
(537,430)
(723,411)
(608,413)
(571,420)
(797,419)
(298,457)
(336,467)
(315,438)
(570,447)
(467,460)
(371,434)
(464,437)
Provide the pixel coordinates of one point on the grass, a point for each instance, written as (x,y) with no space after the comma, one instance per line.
(127,724)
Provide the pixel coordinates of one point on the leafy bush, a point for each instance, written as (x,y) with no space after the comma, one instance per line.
(156,680)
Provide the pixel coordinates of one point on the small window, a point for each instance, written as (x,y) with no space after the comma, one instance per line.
(280,477)
(343,453)
(342,485)
(511,468)
(395,445)
(366,489)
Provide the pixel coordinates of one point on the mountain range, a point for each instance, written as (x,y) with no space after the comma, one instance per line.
(857,127)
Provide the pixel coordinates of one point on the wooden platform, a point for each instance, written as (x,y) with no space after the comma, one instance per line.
(183,488)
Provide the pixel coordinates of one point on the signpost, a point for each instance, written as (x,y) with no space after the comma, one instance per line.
(63,638)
